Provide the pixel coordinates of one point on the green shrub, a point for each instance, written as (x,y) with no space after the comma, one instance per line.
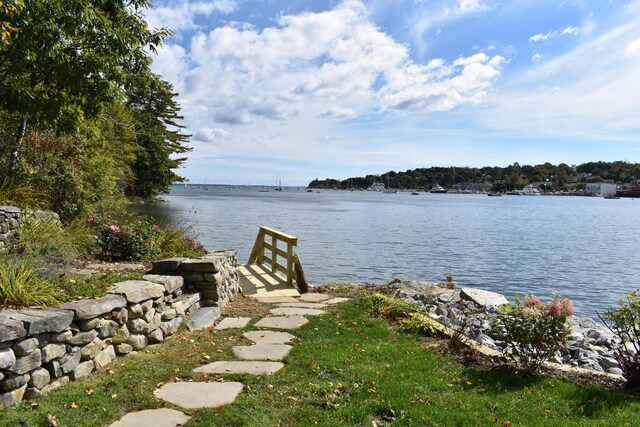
(419,324)
(532,331)
(391,308)
(624,322)
(44,238)
(15,194)
(20,286)
(95,286)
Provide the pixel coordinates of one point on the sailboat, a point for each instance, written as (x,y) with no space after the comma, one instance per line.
(389,190)
(279,187)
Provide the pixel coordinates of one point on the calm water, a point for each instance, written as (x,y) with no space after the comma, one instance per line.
(585,248)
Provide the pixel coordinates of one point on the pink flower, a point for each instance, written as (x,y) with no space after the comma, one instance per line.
(567,307)
(92,220)
(560,308)
(531,311)
(532,301)
(157,228)
(114,229)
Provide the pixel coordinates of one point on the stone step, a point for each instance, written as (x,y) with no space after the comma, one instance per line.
(294,311)
(276,299)
(233,323)
(314,297)
(189,300)
(194,395)
(269,337)
(241,367)
(282,322)
(163,417)
(336,300)
(262,351)
(203,318)
(303,304)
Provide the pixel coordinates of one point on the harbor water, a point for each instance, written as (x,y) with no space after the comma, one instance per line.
(585,248)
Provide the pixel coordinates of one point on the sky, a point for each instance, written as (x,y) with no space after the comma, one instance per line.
(335,89)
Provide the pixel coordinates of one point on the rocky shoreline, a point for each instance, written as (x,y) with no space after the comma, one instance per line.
(590,345)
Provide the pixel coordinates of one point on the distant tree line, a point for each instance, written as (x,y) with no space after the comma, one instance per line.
(83,120)
(512,177)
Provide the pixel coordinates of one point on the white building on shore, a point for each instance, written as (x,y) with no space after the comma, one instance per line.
(599,189)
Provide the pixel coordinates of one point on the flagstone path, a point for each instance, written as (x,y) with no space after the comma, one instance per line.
(260,358)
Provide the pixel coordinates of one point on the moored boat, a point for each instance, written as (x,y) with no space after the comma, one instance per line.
(437,189)
(632,191)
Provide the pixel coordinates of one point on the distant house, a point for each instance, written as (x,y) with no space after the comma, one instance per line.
(376,186)
(600,189)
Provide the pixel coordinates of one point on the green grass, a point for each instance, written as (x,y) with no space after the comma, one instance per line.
(346,369)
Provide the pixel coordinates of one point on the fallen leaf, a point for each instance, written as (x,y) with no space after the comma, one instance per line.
(578,384)
(113,396)
(592,400)
(34,405)
(52,420)
(469,383)
(505,423)
(75,405)
(88,390)
(581,409)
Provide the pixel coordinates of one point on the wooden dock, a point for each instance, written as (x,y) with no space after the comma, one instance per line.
(257,280)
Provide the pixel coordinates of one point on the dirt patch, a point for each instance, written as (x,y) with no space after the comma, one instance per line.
(246,307)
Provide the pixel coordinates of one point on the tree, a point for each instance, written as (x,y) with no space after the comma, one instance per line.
(69,58)
(157,137)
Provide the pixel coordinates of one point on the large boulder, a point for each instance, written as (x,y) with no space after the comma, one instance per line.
(483,298)
(38,321)
(91,308)
(137,290)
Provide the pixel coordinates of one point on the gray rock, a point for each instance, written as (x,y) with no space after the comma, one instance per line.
(137,326)
(170,327)
(163,417)
(9,399)
(189,300)
(53,351)
(137,290)
(170,283)
(146,306)
(155,336)
(7,358)
(14,382)
(483,298)
(120,316)
(82,370)
(26,363)
(609,362)
(91,308)
(70,360)
(123,348)
(199,266)
(169,314)
(39,378)
(122,335)
(10,329)
(38,321)
(148,316)
(166,265)
(54,385)
(54,369)
(32,393)
(193,277)
(615,371)
(178,307)
(135,311)
(104,357)
(43,339)
(82,338)
(203,318)
(108,329)
(92,349)
(137,341)
(89,324)
(60,337)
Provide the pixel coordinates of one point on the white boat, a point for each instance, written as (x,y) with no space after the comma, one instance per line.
(530,191)
(437,189)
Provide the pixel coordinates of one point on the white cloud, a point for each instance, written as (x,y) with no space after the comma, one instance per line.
(553,34)
(633,46)
(337,112)
(212,135)
(181,15)
(536,57)
(583,93)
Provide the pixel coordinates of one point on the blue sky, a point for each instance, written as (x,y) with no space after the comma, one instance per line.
(317,89)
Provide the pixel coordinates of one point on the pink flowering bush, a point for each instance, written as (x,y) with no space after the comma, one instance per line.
(533,331)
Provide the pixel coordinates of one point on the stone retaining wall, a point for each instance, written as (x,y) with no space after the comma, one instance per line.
(43,349)
(9,221)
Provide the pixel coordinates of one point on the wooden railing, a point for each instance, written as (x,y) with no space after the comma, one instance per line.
(266,251)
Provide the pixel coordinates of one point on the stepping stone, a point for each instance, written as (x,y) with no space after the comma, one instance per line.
(336,300)
(163,417)
(262,351)
(203,318)
(200,395)
(313,297)
(302,304)
(282,322)
(269,337)
(293,311)
(241,367)
(276,299)
(233,322)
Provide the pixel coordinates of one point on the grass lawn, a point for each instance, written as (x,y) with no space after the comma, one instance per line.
(346,369)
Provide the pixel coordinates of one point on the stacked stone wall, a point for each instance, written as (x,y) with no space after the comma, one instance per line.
(43,349)
(9,222)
